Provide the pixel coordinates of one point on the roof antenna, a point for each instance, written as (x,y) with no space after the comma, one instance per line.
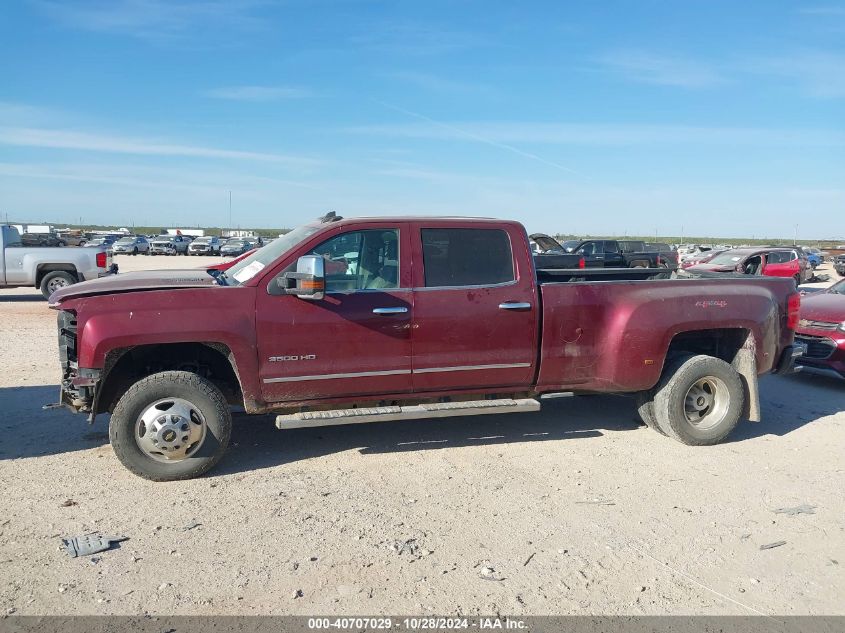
(331,216)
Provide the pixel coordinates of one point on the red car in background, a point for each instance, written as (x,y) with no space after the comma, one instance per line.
(770,262)
(822,329)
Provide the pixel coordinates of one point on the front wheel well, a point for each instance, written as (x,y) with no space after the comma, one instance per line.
(124,367)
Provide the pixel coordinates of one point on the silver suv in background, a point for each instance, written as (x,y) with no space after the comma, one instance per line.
(207,245)
(131,245)
(169,245)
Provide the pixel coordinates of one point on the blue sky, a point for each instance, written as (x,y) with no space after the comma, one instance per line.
(718,118)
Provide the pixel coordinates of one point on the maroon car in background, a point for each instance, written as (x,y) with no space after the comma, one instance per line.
(822,329)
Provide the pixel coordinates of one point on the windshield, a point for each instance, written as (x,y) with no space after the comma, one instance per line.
(250,266)
(726,259)
(202,240)
(839,288)
(126,240)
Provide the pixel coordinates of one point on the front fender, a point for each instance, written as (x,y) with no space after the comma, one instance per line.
(209,315)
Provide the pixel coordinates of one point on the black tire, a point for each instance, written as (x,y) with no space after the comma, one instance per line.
(171,384)
(645,409)
(55,280)
(135,251)
(797,280)
(60,243)
(716,382)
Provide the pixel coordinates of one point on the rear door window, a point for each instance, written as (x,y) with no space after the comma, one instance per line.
(466,257)
(779,257)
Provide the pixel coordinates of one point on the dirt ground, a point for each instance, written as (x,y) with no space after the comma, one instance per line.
(577,509)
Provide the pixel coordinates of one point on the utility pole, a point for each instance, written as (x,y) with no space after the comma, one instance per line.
(230,209)
(796,235)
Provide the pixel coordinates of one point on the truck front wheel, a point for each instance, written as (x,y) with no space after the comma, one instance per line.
(699,400)
(171,425)
(54,281)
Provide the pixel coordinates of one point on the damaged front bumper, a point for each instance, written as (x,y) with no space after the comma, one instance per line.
(78,388)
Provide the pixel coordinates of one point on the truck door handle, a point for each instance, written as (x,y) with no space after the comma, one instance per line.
(515,305)
(397,310)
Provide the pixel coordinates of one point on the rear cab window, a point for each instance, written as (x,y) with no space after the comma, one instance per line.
(458,257)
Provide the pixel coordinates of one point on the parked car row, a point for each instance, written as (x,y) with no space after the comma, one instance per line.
(770,262)
(176,245)
(603,253)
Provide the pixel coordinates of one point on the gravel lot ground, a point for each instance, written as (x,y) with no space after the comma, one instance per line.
(577,509)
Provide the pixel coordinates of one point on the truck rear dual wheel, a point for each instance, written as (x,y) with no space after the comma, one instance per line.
(697,402)
(54,281)
(645,408)
(170,426)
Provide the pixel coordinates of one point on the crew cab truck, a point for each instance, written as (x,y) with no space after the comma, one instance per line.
(48,268)
(625,254)
(375,319)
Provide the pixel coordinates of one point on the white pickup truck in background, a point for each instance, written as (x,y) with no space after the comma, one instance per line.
(49,268)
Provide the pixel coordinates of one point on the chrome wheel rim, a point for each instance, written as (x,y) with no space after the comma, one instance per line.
(170,430)
(706,402)
(55,284)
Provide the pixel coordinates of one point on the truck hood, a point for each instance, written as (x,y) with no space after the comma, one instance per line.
(546,242)
(134,282)
(823,306)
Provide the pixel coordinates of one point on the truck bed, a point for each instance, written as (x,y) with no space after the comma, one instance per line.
(610,330)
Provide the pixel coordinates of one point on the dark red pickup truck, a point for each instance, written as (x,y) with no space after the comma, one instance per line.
(344,321)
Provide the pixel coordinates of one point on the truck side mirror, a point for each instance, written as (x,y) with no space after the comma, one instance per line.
(309,280)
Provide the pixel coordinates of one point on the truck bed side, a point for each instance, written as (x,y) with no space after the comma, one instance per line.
(615,336)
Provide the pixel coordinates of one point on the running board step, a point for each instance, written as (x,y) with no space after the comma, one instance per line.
(415,412)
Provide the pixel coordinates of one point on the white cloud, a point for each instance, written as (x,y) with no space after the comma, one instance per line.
(68,139)
(821,74)
(258,93)
(414,38)
(604,134)
(148,177)
(649,68)
(154,20)
(435,83)
(824,11)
